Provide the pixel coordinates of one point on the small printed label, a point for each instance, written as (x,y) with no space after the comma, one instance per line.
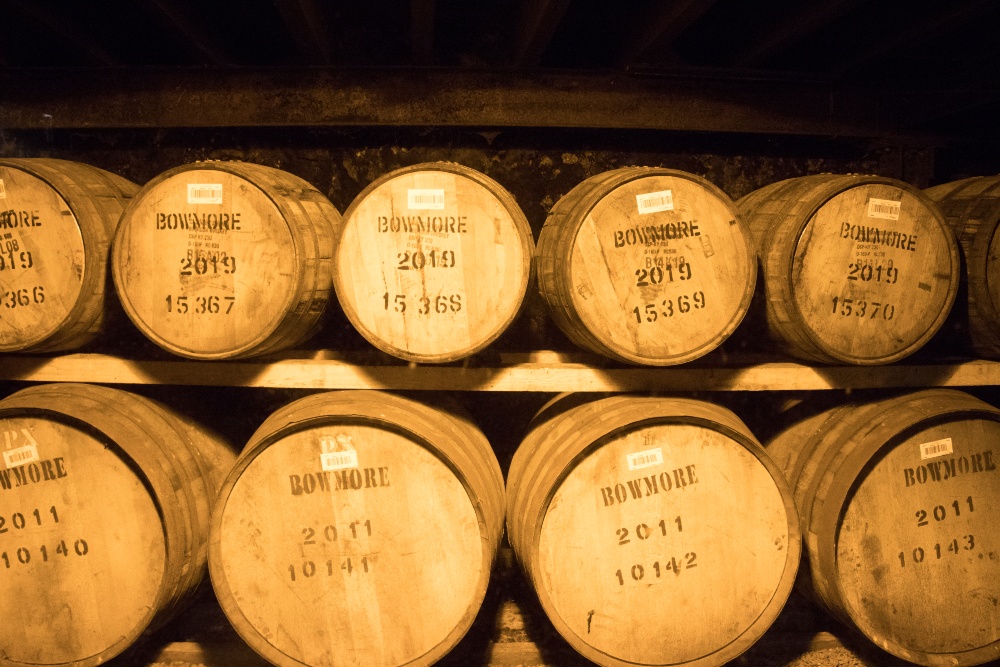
(883,208)
(427,200)
(339,460)
(3,190)
(20,456)
(930,450)
(646,459)
(653,202)
(204,193)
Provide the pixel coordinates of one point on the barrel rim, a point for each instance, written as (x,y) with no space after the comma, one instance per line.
(234,168)
(521,226)
(255,447)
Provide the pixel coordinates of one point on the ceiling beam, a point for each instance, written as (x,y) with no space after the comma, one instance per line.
(194,38)
(324,97)
(307,25)
(670,20)
(792,30)
(54,22)
(914,33)
(422,31)
(537,24)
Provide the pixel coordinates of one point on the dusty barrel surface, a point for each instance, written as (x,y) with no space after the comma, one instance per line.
(646,265)
(433,262)
(106,503)
(972,208)
(357,528)
(898,502)
(857,269)
(57,219)
(655,531)
(219,260)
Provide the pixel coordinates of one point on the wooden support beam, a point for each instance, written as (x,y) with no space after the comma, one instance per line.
(538,20)
(792,30)
(54,22)
(193,36)
(422,31)
(306,22)
(670,20)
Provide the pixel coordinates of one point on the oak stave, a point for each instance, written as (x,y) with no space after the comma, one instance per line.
(395,567)
(54,297)
(798,226)
(252,280)
(971,207)
(863,476)
(610,293)
(586,572)
(444,294)
(118,507)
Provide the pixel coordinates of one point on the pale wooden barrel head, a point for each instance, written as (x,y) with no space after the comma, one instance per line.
(918,548)
(673,563)
(82,553)
(874,269)
(654,267)
(42,260)
(205,263)
(377,564)
(433,262)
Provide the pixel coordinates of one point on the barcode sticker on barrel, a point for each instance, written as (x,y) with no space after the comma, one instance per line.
(204,193)
(646,459)
(883,208)
(651,202)
(20,456)
(417,199)
(339,460)
(930,450)
(3,190)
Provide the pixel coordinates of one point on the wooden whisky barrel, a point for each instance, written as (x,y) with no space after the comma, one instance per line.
(898,502)
(104,521)
(972,209)
(357,528)
(646,265)
(655,531)
(216,260)
(57,219)
(857,269)
(433,262)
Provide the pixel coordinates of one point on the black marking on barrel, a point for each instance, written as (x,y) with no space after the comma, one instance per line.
(924,286)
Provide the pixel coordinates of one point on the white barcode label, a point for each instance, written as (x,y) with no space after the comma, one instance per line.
(930,450)
(20,456)
(3,190)
(339,460)
(646,459)
(428,200)
(652,202)
(204,193)
(883,208)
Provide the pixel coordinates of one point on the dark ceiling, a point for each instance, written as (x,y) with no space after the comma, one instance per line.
(938,59)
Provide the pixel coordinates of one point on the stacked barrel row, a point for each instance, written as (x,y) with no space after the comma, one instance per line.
(361,528)
(431,263)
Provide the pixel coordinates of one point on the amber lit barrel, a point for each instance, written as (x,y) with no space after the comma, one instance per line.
(857,269)
(655,531)
(218,260)
(57,219)
(972,208)
(106,503)
(898,501)
(357,529)
(433,262)
(646,265)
